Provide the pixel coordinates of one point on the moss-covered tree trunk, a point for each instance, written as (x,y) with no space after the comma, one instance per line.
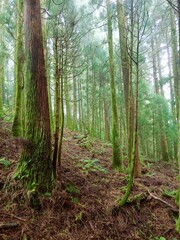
(17,129)
(124,54)
(136,160)
(175,65)
(87,98)
(35,165)
(45,5)
(67,93)
(93,105)
(178,120)
(131,110)
(106,111)
(117,158)
(1,93)
(56,104)
(75,124)
(1,66)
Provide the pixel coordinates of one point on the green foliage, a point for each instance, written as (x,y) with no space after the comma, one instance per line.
(98,151)
(5,163)
(1,114)
(75,200)
(91,165)
(47,194)
(79,216)
(169,193)
(87,145)
(160,238)
(178,224)
(70,188)
(7,114)
(177,194)
(123,188)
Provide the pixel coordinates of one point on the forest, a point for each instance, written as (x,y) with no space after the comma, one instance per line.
(89,119)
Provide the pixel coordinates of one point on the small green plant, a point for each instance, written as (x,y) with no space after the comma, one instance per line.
(5,163)
(47,194)
(75,200)
(79,216)
(123,189)
(70,188)
(108,144)
(87,145)
(149,174)
(97,151)
(169,193)
(160,238)
(148,165)
(91,165)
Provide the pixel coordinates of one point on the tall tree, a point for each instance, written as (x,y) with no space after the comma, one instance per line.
(35,164)
(178,120)
(124,54)
(1,65)
(164,146)
(17,123)
(117,158)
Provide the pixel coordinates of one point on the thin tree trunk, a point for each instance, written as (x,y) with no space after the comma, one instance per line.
(178,120)
(164,147)
(56,105)
(74,103)
(17,129)
(117,158)
(124,54)
(93,106)
(1,66)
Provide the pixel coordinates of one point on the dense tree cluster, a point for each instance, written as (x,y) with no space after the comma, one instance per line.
(107,68)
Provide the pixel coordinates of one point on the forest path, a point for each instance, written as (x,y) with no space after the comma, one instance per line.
(86,191)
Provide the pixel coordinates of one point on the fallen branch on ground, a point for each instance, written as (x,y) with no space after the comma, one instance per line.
(9,225)
(158,198)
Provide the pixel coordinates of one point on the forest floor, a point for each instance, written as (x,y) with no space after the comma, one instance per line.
(81,205)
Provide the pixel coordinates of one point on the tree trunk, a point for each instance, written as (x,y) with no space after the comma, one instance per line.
(19,61)
(173,107)
(117,158)
(164,146)
(35,165)
(1,66)
(178,120)
(93,105)
(74,103)
(87,98)
(124,54)
(175,57)
(136,160)
(56,105)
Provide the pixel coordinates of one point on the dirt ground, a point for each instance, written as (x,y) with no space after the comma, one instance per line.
(82,205)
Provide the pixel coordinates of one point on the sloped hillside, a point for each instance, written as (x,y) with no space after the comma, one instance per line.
(82,204)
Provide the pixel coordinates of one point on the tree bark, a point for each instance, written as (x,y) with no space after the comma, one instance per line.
(19,61)
(35,165)
(164,146)
(124,55)
(117,158)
